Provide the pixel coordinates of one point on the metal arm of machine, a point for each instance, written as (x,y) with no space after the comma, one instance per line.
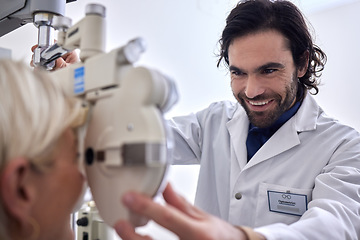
(16,13)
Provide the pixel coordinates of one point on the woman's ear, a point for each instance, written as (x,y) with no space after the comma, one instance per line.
(16,192)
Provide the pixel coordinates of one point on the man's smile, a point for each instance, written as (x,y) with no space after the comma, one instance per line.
(259,105)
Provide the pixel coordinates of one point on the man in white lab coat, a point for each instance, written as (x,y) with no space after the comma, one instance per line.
(273,164)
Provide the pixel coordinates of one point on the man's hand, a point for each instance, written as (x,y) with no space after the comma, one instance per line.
(62,61)
(178,216)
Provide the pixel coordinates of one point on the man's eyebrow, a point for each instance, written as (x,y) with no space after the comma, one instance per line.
(270,65)
(233,68)
(261,68)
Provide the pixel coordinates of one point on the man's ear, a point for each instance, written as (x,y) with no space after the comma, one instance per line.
(302,70)
(16,192)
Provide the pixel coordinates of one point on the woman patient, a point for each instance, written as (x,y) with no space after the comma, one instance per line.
(39,177)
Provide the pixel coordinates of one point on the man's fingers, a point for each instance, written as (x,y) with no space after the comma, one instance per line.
(166,216)
(59,63)
(71,57)
(127,232)
(172,198)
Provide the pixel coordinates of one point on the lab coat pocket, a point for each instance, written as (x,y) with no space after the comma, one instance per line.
(280,204)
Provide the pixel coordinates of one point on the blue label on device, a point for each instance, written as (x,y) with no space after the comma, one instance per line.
(79,80)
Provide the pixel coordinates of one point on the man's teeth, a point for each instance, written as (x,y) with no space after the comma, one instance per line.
(258,103)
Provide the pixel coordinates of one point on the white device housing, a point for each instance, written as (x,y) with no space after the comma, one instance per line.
(126,145)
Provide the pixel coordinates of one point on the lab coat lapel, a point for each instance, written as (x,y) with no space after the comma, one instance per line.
(238,128)
(287,136)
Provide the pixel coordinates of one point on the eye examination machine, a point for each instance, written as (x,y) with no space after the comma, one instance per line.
(124,143)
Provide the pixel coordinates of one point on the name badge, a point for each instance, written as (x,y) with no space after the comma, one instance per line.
(288,203)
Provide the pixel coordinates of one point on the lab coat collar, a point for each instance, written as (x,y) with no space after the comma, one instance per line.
(283,139)
(307,115)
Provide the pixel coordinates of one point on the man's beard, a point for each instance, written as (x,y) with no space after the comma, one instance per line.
(266,119)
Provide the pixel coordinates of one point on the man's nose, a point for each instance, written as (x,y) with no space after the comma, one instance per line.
(253,87)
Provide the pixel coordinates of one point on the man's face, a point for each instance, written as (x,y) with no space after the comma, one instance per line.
(263,76)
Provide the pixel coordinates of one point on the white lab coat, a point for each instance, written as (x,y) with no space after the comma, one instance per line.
(311,154)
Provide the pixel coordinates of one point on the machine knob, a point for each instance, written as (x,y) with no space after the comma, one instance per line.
(132,51)
(95,9)
(61,23)
(83,222)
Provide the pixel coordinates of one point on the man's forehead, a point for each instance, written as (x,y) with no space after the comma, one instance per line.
(265,38)
(259,49)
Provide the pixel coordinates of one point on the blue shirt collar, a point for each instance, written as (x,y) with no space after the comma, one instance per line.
(278,123)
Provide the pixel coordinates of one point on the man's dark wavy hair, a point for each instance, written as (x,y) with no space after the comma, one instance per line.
(253,16)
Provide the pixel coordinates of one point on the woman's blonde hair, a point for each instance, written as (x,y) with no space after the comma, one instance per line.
(34,112)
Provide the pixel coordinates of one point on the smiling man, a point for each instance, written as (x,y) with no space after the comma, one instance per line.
(264,80)
(273,164)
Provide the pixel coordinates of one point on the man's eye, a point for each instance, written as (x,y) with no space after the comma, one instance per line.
(236,73)
(270,70)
